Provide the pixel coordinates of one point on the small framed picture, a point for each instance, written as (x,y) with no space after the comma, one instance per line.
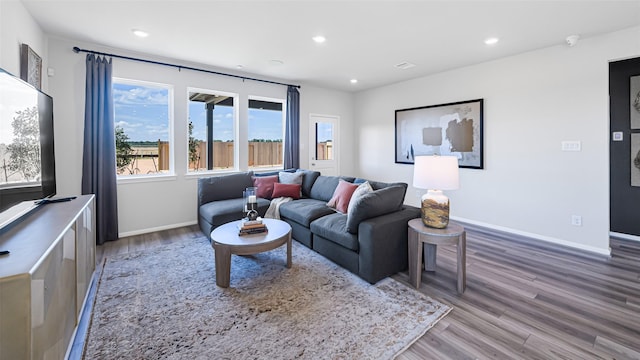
(30,66)
(634,102)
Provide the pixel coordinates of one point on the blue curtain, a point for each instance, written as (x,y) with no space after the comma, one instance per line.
(99,151)
(292,130)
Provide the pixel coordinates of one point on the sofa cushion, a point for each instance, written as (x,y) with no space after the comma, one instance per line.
(223,187)
(308,179)
(376,203)
(223,211)
(286,190)
(334,228)
(362,189)
(264,185)
(304,211)
(324,186)
(342,196)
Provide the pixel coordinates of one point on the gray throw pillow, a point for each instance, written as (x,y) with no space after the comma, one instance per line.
(362,190)
(375,203)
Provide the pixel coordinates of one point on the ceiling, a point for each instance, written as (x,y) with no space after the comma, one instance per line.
(364,39)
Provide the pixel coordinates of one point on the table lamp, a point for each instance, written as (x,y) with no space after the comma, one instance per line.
(435,173)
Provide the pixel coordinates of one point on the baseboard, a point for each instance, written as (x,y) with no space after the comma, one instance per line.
(159,228)
(532,236)
(624,236)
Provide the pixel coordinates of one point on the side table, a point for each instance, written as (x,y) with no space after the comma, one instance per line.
(420,234)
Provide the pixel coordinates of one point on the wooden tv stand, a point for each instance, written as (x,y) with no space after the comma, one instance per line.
(45,278)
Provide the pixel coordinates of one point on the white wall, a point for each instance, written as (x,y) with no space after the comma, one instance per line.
(17,27)
(320,101)
(165,202)
(532,101)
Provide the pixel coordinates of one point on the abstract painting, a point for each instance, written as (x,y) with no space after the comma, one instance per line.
(635,159)
(446,129)
(634,101)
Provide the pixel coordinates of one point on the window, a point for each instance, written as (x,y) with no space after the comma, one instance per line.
(324,141)
(211,131)
(266,131)
(143,117)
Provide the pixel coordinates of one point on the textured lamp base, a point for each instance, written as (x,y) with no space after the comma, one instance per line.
(435,209)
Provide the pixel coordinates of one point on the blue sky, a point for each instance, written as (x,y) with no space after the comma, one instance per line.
(143,114)
(324,132)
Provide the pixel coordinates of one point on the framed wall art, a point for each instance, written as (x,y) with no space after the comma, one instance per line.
(446,129)
(634,101)
(635,159)
(30,66)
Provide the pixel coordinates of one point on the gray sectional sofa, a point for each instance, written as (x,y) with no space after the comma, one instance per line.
(370,242)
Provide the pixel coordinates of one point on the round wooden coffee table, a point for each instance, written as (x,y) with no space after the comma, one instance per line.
(226,241)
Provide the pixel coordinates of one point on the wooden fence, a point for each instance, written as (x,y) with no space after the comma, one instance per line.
(324,150)
(260,154)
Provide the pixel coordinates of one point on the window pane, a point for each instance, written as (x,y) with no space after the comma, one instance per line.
(211,131)
(324,141)
(142,120)
(265,134)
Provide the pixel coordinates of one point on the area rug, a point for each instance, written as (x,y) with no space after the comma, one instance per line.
(163,303)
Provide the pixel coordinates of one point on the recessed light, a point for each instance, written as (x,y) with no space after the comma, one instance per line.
(140,33)
(354,81)
(239,66)
(319,39)
(491,41)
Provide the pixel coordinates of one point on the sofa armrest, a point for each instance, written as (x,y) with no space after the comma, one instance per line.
(383,244)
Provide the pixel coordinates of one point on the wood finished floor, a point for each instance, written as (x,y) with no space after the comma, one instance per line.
(524,299)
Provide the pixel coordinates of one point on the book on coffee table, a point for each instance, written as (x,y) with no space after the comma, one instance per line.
(255,230)
(246,227)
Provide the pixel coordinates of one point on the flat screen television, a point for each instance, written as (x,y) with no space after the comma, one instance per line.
(27,161)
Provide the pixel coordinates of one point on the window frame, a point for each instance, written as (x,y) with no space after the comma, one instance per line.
(283,102)
(236,134)
(170,174)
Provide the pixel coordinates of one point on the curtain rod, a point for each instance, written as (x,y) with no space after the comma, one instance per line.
(180,67)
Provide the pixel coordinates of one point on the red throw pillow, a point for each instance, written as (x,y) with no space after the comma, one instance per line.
(286,190)
(264,185)
(342,196)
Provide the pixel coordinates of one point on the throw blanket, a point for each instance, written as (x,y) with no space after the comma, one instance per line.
(273,211)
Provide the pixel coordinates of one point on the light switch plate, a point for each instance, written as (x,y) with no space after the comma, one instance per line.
(571,146)
(617,136)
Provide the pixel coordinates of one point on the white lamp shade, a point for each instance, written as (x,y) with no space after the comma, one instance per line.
(436,172)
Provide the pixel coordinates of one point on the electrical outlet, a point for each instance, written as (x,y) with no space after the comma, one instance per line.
(576,220)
